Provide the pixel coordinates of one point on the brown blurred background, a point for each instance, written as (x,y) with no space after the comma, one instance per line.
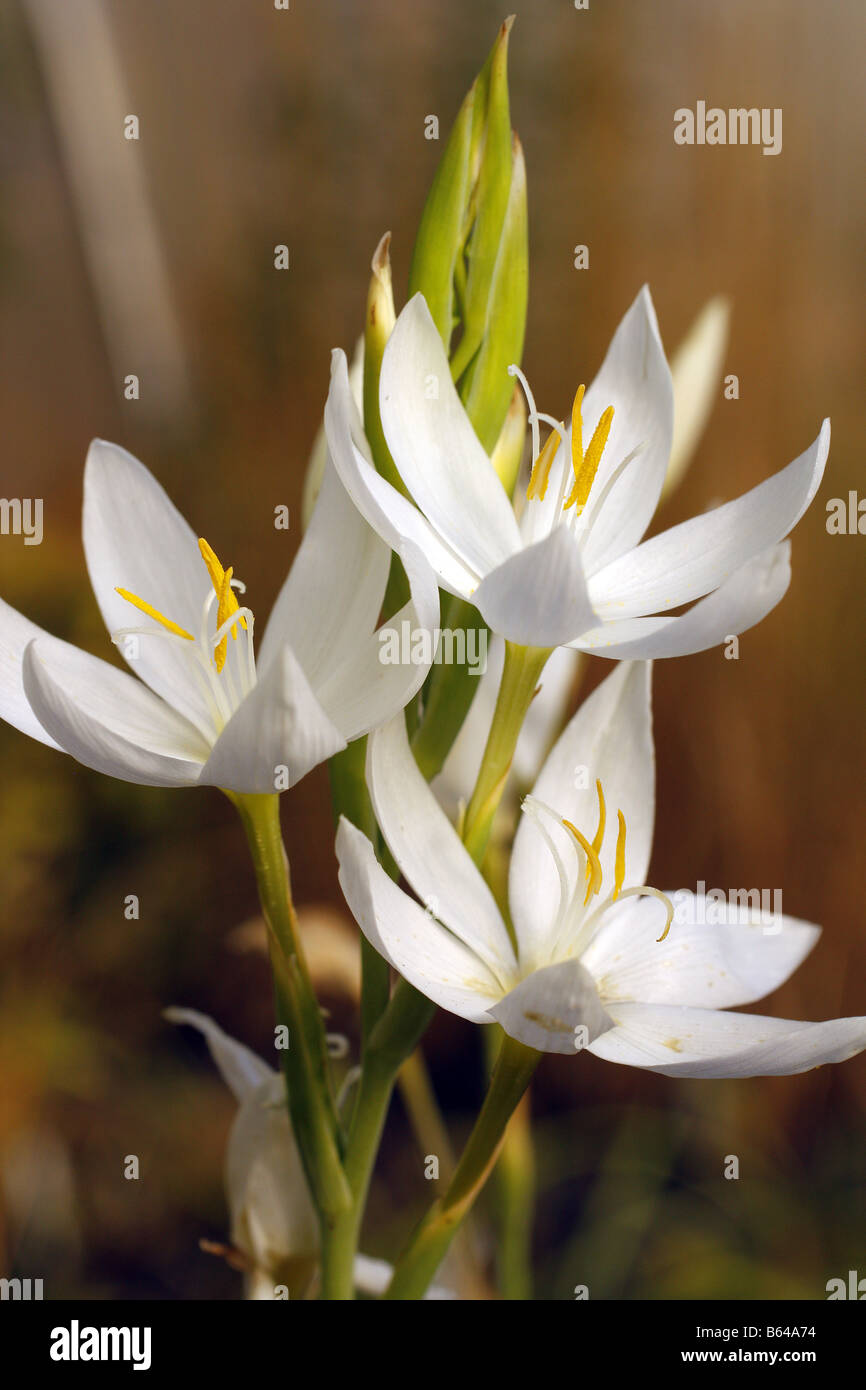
(155,257)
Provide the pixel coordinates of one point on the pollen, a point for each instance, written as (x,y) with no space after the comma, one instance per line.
(585,465)
(144,607)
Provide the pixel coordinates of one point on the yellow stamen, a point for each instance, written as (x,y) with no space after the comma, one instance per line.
(619,861)
(584,473)
(577,431)
(540,475)
(598,837)
(591,858)
(646,892)
(144,607)
(228,604)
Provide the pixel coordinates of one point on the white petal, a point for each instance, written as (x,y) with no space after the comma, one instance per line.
(546,1010)
(714,956)
(538,597)
(428,849)
(374,1276)
(107,720)
(436,450)
(329,604)
(136,539)
(319,451)
(242,1070)
(390,514)
(16,633)
(691,559)
(427,955)
(363,691)
(711,1043)
(279,725)
(738,604)
(635,379)
(609,738)
(696,369)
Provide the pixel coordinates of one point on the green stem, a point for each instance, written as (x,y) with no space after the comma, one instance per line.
(520,674)
(393,1039)
(305,1061)
(431,1239)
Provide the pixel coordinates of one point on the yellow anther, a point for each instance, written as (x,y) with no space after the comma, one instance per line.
(577,431)
(228,604)
(540,475)
(144,607)
(598,837)
(619,862)
(592,859)
(670,911)
(584,473)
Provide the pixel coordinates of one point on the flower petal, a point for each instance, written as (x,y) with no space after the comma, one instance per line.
(373,1276)
(712,1043)
(696,368)
(546,1010)
(363,691)
(329,604)
(390,514)
(428,849)
(436,450)
(538,597)
(280,725)
(16,634)
(242,1070)
(610,739)
(635,379)
(135,538)
(715,956)
(738,604)
(689,560)
(427,955)
(107,720)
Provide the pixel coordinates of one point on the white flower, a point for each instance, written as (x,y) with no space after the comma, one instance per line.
(695,371)
(572,570)
(274,1226)
(597,961)
(206,709)
(273,1223)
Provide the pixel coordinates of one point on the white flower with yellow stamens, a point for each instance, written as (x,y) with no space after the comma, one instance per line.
(596,960)
(571,570)
(207,709)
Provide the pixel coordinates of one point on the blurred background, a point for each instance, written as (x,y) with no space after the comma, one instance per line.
(156,258)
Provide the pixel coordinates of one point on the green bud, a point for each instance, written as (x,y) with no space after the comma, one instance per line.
(378,326)
(470,257)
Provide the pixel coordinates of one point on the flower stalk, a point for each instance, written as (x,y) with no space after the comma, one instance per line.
(305,1061)
(432,1237)
(522,669)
